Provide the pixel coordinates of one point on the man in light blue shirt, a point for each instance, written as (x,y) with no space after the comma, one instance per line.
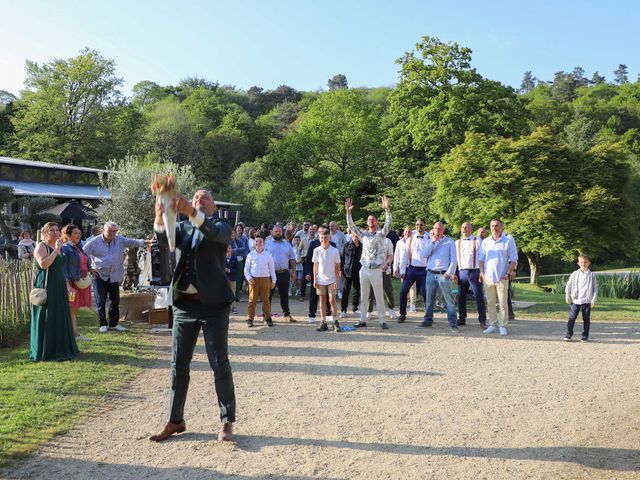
(106,252)
(498,260)
(284,261)
(439,252)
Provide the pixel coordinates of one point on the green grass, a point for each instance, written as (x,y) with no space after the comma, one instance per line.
(39,400)
(551,305)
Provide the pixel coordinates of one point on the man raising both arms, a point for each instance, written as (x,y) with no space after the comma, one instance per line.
(373,260)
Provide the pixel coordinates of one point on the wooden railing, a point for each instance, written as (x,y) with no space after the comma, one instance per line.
(16,280)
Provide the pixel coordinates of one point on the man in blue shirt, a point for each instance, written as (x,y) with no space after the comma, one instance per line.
(107,261)
(439,252)
(284,260)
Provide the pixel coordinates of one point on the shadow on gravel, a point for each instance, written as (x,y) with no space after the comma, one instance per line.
(313,369)
(617,459)
(100,470)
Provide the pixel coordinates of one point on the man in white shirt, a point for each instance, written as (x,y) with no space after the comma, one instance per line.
(468,253)
(260,273)
(498,259)
(413,267)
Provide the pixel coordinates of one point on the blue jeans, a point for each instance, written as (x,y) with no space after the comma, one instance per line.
(471,279)
(413,275)
(585,308)
(435,280)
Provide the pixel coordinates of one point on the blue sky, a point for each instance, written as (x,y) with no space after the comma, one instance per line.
(303,43)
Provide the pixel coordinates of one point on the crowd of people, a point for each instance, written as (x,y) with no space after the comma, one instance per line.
(358,266)
(215,260)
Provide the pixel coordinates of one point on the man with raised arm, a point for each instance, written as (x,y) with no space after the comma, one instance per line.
(373,259)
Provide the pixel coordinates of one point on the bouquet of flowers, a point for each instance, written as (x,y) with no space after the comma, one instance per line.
(164,186)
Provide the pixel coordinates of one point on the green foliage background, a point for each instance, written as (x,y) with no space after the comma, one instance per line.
(559,160)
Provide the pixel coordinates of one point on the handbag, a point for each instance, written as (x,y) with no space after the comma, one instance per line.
(84,282)
(38,296)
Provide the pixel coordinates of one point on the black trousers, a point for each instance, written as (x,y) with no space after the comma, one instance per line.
(101,289)
(347,283)
(189,318)
(282,284)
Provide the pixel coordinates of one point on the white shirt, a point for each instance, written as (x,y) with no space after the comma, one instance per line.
(398,265)
(417,245)
(339,238)
(259,265)
(468,250)
(496,255)
(327,259)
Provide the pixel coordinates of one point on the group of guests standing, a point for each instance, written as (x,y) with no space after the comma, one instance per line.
(68,270)
(427,262)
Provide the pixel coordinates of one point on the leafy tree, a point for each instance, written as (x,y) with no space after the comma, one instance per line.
(337,81)
(550,198)
(581,133)
(146,93)
(132,204)
(172,134)
(6,129)
(564,87)
(334,152)
(7,97)
(597,79)
(621,74)
(528,82)
(63,114)
(578,76)
(35,207)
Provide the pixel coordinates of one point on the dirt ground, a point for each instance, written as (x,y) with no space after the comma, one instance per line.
(403,403)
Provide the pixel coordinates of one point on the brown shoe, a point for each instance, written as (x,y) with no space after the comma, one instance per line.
(226,432)
(168,430)
(290,319)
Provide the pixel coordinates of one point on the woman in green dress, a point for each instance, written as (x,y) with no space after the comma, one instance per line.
(51,331)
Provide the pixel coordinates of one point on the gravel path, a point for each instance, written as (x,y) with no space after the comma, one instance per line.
(403,403)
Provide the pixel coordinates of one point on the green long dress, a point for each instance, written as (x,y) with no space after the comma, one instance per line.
(51,330)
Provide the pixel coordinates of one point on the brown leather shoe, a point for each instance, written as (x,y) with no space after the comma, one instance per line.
(226,433)
(290,319)
(168,430)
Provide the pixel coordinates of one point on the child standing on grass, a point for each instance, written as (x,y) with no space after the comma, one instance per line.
(581,292)
(260,273)
(230,268)
(326,272)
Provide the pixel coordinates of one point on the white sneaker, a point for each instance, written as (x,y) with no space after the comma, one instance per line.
(103,329)
(368,316)
(82,338)
(311,320)
(342,315)
(489,329)
(412,309)
(392,314)
(503,331)
(357,312)
(119,328)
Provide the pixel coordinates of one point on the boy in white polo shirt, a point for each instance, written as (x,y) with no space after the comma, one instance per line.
(326,272)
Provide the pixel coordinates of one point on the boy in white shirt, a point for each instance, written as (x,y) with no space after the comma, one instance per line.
(581,292)
(326,272)
(260,273)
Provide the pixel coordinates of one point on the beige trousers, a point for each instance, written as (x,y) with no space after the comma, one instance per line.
(499,290)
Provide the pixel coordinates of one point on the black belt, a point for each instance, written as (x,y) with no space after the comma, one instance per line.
(437,272)
(282,270)
(415,266)
(469,269)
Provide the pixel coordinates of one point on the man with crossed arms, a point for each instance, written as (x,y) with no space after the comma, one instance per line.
(468,254)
